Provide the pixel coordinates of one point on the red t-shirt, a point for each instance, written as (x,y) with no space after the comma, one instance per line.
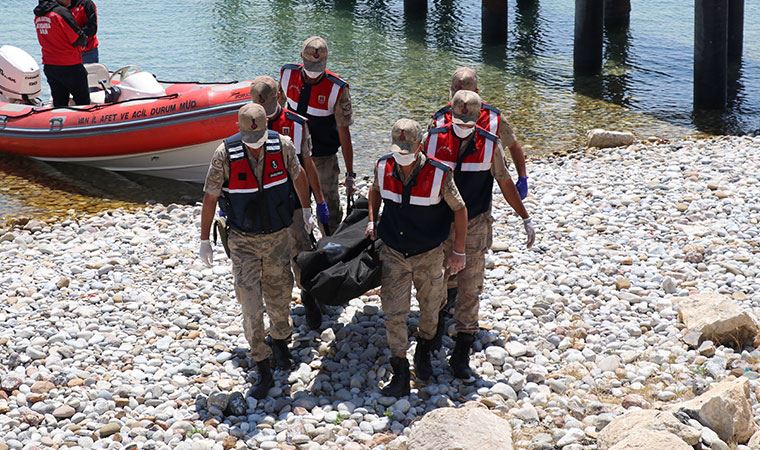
(80,15)
(57,41)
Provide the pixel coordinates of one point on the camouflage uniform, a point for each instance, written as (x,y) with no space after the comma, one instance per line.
(259,256)
(327,166)
(424,271)
(299,238)
(478,241)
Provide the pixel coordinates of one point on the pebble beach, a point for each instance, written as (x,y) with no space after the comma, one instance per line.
(114,335)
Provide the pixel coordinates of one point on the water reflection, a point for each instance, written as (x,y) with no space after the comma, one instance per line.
(616,54)
(446,23)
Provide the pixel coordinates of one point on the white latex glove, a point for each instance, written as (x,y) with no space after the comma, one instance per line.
(349,186)
(456,262)
(530,231)
(308,219)
(206,253)
(369,233)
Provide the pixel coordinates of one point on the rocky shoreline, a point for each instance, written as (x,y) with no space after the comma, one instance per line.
(115,336)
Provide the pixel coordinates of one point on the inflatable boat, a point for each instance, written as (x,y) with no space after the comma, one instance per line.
(135,123)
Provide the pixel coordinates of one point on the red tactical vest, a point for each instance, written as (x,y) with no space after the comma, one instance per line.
(317,103)
(415,218)
(489,119)
(472,165)
(80,15)
(290,124)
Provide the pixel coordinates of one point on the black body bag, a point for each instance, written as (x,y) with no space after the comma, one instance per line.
(345,265)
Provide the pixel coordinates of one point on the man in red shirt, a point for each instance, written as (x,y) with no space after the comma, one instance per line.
(86,14)
(62,40)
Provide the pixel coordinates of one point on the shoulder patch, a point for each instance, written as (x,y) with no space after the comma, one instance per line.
(295,117)
(490,107)
(438,165)
(291,67)
(442,111)
(487,135)
(438,130)
(336,79)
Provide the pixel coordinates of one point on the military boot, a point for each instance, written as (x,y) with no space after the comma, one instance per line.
(423,368)
(460,356)
(281,354)
(399,385)
(265,381)
(437,342)
(313,312)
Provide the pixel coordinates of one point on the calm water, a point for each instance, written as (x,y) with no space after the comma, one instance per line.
(401,68)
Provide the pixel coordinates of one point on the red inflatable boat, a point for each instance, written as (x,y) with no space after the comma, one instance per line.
(166,129)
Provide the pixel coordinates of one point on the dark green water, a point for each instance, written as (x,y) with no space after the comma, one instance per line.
(398,67)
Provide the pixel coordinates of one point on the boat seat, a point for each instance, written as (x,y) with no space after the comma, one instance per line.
(95,74)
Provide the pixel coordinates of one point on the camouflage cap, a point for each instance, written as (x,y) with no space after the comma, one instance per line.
(252,121)
(465,107)
(264,92)
(314,54)
(406,135)
(464,78)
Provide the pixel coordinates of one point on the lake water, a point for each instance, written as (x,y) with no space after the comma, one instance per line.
(401,68)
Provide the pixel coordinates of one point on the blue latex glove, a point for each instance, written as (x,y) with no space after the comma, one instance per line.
(323,213)
(522,187)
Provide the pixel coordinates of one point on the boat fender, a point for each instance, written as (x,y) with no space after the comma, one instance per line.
(221,229)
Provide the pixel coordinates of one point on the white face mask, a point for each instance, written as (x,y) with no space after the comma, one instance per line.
(404,160)
(462,132)
(312,75)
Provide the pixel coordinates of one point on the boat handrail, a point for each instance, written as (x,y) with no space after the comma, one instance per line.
(86,108)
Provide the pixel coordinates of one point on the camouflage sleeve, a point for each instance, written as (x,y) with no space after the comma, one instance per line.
(506,133)
(289,156)
(306,142)
(451,194)
(498,165)
(218,172)
(375,186)
(344,112)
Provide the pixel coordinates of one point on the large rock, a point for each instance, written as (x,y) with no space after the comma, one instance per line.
(467,428)
(725,409)
(645,420)
(643,439)
(606,139)
(754,442)
(717,318)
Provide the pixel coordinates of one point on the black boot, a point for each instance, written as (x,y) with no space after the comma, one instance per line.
(281,354)
(313,312)
(423,368)
(265,381)
(399,385)
(460,357)
(437,341)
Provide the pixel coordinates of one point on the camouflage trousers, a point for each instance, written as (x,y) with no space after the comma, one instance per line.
(470,279)
(299,242)
(425,271)
(329,174)
(257,258)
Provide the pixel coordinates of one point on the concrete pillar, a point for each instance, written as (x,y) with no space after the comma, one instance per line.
(735,30)
(617,13)
(710,53)
(589,37)
(415,9)
(494,20)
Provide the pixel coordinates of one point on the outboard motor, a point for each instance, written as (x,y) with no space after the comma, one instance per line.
(19,76)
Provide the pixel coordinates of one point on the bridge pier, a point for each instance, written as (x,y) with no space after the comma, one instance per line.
(494,20)
(710,54)
(415,9)
(735,30)
(617,13)
(589,37)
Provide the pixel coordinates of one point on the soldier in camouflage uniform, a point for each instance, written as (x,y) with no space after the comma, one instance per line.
(419,195)
(252,175)
(476,157)
(318,94)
